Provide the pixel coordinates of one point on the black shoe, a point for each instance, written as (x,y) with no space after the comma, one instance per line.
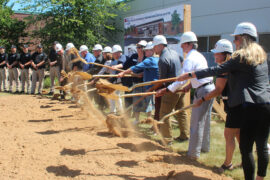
(63,97)
(229,167)
(16,92)
(50,93)
(180,139)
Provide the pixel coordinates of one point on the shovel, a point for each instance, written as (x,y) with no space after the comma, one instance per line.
(116,97)
(110,75)
(174,113)
(125,88)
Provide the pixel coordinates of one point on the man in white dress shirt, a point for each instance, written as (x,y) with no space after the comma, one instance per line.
(200,118)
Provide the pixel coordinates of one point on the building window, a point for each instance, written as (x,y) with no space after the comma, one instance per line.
(207,43)
(264,41)
(212,42)
(202,43)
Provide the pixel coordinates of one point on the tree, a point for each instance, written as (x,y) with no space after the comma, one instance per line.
(79,21)
(11,29)
(175,21)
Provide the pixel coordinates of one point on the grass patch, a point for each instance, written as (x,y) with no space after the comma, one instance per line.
(215,158)
(47,82)
(5,94)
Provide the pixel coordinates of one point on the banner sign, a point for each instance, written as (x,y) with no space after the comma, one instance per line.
(168,22)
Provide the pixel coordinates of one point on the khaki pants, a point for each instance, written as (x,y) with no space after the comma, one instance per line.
(37,75)
(13,76)
(169,102)
(54,72)
(3,79)
(25,79)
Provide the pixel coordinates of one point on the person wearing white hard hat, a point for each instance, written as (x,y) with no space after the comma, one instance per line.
(169,67)
(249,92)
(222,52)
(102,103)
(76,66)
(133,60)
(87,56)
(201,116)
(64,68)
(150,73)
(97,52)
(118,59)
(69,46)
(55,66)
(107,56)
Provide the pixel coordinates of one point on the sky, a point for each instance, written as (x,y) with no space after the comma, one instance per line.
(16,6)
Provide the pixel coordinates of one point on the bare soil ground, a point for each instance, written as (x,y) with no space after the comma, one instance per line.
(49,139)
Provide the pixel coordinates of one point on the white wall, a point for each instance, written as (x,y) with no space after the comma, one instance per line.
(213,17)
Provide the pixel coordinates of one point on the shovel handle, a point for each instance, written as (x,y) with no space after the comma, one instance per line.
(110,75)
(109,67)
(80,85)
(90,90)
(176,112)
(154,82)
(138,94)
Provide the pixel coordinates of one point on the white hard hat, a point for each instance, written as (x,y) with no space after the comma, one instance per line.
(69,45)
(245,28)
(159,39)
(58,47)
(188,37)
(223,45)
(83,48)
(149,46)
(142,43)
(116,48)
(97,47)
(107,49)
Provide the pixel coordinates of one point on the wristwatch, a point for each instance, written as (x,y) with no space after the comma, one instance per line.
(189,74)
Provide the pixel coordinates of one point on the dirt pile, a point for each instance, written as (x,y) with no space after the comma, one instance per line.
(47,139)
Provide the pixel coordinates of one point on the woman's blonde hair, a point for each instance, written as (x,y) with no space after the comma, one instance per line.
(250,52)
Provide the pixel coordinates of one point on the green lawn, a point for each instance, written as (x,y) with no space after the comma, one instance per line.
(215,158)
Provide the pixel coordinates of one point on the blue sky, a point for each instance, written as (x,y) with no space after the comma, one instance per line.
(16,6)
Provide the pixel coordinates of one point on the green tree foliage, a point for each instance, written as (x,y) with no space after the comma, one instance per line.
(11,29)
(175,21)
(78,21)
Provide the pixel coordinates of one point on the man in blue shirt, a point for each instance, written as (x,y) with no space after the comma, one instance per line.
(88,58)
(150,73)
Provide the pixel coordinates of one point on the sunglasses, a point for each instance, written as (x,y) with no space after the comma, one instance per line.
(139,47)
(237,38)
